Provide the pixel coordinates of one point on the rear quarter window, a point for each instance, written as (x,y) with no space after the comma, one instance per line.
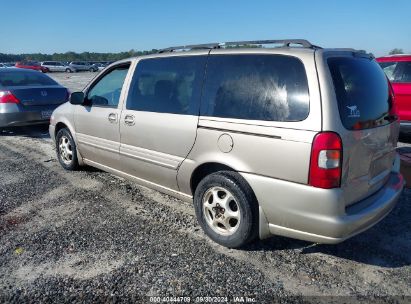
(256,87)
(362,92)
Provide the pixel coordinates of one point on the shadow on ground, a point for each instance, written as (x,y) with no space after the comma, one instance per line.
(37,131)
(387,244)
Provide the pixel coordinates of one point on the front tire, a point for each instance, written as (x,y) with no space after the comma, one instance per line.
(227,209)
(68,71)
(66,150)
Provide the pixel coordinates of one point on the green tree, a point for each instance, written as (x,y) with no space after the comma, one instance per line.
(396,51)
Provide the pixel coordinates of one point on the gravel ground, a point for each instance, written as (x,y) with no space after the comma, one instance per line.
(89,236)
(73,81)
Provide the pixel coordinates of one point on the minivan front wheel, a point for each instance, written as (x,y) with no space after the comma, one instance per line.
(226,209)
(66,150)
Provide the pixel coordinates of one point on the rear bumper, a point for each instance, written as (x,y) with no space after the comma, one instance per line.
(12,115)
(319,215)
(405,126)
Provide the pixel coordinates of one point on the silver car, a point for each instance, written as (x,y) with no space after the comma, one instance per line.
(83,66)
(28,97)
(57,66)
(291,141)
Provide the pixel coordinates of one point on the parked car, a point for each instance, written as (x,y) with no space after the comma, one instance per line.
(100,66)
(57,66)
(28,97)
(292,141)
(398,70)
(31,65)
(83,66)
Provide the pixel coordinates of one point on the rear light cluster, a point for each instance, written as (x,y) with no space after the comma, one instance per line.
(8,97)
(326,161)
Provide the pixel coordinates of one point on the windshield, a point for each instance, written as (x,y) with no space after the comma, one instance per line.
(362,92)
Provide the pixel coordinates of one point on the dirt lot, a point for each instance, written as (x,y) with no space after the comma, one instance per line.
(88,235)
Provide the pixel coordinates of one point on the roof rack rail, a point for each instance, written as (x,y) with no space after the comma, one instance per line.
(285,43)
(191,47)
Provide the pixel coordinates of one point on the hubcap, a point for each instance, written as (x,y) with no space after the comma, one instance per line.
(221,210)
(65,150)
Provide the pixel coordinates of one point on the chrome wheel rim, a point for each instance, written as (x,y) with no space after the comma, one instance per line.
(221,211)
(65,150)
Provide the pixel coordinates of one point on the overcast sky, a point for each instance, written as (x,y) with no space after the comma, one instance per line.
(48,26)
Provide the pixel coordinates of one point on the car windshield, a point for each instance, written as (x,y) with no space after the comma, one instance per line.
(362,92)
(19,78)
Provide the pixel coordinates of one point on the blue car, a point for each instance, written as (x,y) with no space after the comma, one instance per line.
(28,97)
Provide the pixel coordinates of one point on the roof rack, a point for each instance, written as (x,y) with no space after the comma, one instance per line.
(191,47)
(285,43)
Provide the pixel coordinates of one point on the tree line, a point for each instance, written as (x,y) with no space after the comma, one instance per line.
(92,56)
(73,56)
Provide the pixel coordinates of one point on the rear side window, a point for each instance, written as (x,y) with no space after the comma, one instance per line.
(404,73)
(167,85)
(256,87)
(389,69)
(21,78)
(362,92)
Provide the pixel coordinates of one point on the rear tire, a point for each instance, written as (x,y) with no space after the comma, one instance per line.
(66,150)
(68,71)
(226,209)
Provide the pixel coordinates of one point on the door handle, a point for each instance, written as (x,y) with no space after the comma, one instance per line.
(112,117)
(129,120)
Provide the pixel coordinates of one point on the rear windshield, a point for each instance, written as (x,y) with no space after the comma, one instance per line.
(21,78)
(362,92)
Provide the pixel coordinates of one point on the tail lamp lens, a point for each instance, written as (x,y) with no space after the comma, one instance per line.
(326,161)
(8,97)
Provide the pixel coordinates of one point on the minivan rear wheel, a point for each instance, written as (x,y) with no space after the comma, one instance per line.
(66,150)
(226,209)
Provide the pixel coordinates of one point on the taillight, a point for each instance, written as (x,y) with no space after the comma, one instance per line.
(8,97)
(326,161)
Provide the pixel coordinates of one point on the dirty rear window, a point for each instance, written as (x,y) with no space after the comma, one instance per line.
(256,87)
(362,92)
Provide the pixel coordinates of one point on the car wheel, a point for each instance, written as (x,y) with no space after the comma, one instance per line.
(68,71)
(91,70)
(66,150)
(227,209)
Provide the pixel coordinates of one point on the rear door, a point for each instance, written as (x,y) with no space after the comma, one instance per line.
(159,120)
(368,132)
(97,122)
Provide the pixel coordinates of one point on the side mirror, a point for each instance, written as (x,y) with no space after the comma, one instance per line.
(77,98)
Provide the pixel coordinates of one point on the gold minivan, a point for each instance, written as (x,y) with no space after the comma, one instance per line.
(292,140)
